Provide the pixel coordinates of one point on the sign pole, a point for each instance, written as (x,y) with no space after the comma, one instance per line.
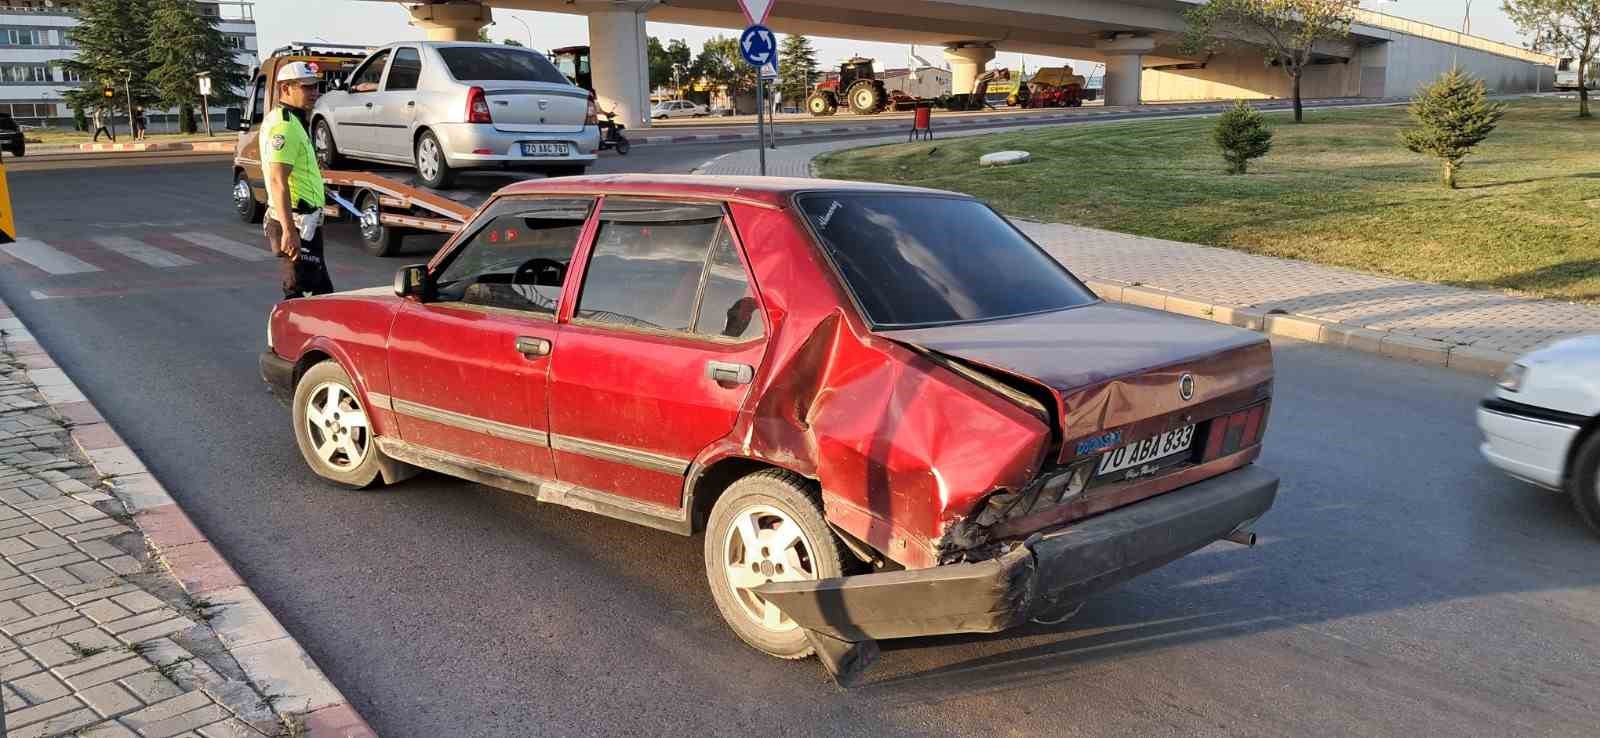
(761,128)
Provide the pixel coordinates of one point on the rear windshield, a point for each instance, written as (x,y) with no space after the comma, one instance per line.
(918,260)
(484,64)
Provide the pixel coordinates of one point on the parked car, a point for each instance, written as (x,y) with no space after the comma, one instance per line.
(678,109)
(11,138)
(444,107)
(889,411)
(1541,423)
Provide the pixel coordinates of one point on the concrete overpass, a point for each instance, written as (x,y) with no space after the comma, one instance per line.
(1138,40)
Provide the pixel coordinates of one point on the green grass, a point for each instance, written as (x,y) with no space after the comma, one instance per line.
(74,137)
(1338,189)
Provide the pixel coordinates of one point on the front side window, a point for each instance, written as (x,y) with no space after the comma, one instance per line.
(367,77)
(518,257)
(405,71)
(648,259)
(919,260)
(484,64)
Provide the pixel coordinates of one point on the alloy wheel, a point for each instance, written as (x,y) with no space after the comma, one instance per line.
(764,545)
(337,426)
(428,158)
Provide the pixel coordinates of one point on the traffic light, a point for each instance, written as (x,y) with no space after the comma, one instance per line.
(111,92)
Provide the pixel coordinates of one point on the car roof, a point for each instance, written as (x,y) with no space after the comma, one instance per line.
(769,191)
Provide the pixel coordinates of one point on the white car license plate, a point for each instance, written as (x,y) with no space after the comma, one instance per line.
(544,149)
(1143,452)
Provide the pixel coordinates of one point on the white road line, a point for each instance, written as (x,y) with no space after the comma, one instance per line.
(46,257)
(226,246)
(142,252)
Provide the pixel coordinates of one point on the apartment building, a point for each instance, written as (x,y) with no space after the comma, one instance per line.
(36,36)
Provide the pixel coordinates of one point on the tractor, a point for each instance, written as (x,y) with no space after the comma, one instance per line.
(857,87)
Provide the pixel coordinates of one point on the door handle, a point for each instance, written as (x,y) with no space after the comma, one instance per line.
(369,105)
(532,347)
(726,373)
(411,103)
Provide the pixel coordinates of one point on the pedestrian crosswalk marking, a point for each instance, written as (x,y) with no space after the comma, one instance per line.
(46,258)
(226,246)
(142,252)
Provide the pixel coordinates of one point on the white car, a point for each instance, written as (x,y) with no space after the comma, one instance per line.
(1542,422)
(678,109)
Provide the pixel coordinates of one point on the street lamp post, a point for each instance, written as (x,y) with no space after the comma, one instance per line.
(127,82)
(525,28)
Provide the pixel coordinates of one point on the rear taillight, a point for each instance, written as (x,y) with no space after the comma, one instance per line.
(1235,431)
(477,106)
(592,118)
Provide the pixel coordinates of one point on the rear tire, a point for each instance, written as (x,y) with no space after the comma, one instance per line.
(792,541)
(865,98)
(245,204)
(432,168)
(322,142)
(332,427)
(376,238)
(20,149)
(1584,482)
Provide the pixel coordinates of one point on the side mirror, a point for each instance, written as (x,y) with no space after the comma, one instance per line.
(336,84)
(235,119)
(412,281)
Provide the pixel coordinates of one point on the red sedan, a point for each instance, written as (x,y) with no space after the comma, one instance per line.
(889,412)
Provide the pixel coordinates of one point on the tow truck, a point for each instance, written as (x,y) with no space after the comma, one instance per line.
(389,204)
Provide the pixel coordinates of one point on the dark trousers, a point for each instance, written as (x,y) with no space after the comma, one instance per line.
(307,275)
(105,130)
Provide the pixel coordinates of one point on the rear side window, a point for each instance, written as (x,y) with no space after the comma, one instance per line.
(648,261)
(405,70)
(919,260)
(728,306)
(485,64)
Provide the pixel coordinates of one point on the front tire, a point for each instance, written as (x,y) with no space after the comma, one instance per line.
(245,204)
(1584,483)
(432,167)
(376,238)
(821,104)
(768,526)
(333,429)
(327,149)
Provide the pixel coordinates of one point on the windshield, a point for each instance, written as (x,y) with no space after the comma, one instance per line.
(918,260)
(483,64)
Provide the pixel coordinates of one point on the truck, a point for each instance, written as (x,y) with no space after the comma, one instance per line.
(388,206)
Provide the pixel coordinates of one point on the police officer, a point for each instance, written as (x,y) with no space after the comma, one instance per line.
(294,184)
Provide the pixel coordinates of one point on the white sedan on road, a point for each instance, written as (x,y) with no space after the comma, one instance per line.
(678,109)
(1542,422)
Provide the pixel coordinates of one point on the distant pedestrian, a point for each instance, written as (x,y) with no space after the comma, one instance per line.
(139,124)
(777,101)
(102,121)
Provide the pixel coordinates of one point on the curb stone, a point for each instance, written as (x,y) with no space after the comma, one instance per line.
(1313,330)
(267,653)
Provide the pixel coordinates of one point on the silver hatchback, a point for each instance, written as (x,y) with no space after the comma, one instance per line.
(443,107)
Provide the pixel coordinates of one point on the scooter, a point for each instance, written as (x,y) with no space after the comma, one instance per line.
(611,134)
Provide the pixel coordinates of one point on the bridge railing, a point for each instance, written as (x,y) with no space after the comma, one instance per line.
(1449,36)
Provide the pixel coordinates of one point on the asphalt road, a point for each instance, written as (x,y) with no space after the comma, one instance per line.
(1401,587)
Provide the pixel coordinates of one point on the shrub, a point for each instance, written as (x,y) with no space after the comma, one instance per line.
(1242,135)
(1453,115)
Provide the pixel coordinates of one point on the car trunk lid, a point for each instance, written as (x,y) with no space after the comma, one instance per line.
(536,107)
(1115,374)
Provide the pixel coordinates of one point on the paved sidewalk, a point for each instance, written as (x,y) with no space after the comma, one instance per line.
(1475,330)
(107,629)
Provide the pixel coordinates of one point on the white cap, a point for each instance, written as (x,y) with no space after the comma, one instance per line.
(302,72)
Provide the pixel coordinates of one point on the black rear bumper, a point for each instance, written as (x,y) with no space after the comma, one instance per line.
(278,373)
(1046,573)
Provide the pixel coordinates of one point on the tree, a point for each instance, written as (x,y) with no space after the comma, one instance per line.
(797,62)
(721,64)
(483,35)
(1286,30)
(1561,27)
(1453,114)
(189,44)
(681,58)
(660,64)
(511,42)
(1242,135)
(112,36)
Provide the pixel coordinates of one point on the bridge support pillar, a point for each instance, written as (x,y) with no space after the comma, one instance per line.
(967,60)
(1124,66)
(452,22)
(621,65)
